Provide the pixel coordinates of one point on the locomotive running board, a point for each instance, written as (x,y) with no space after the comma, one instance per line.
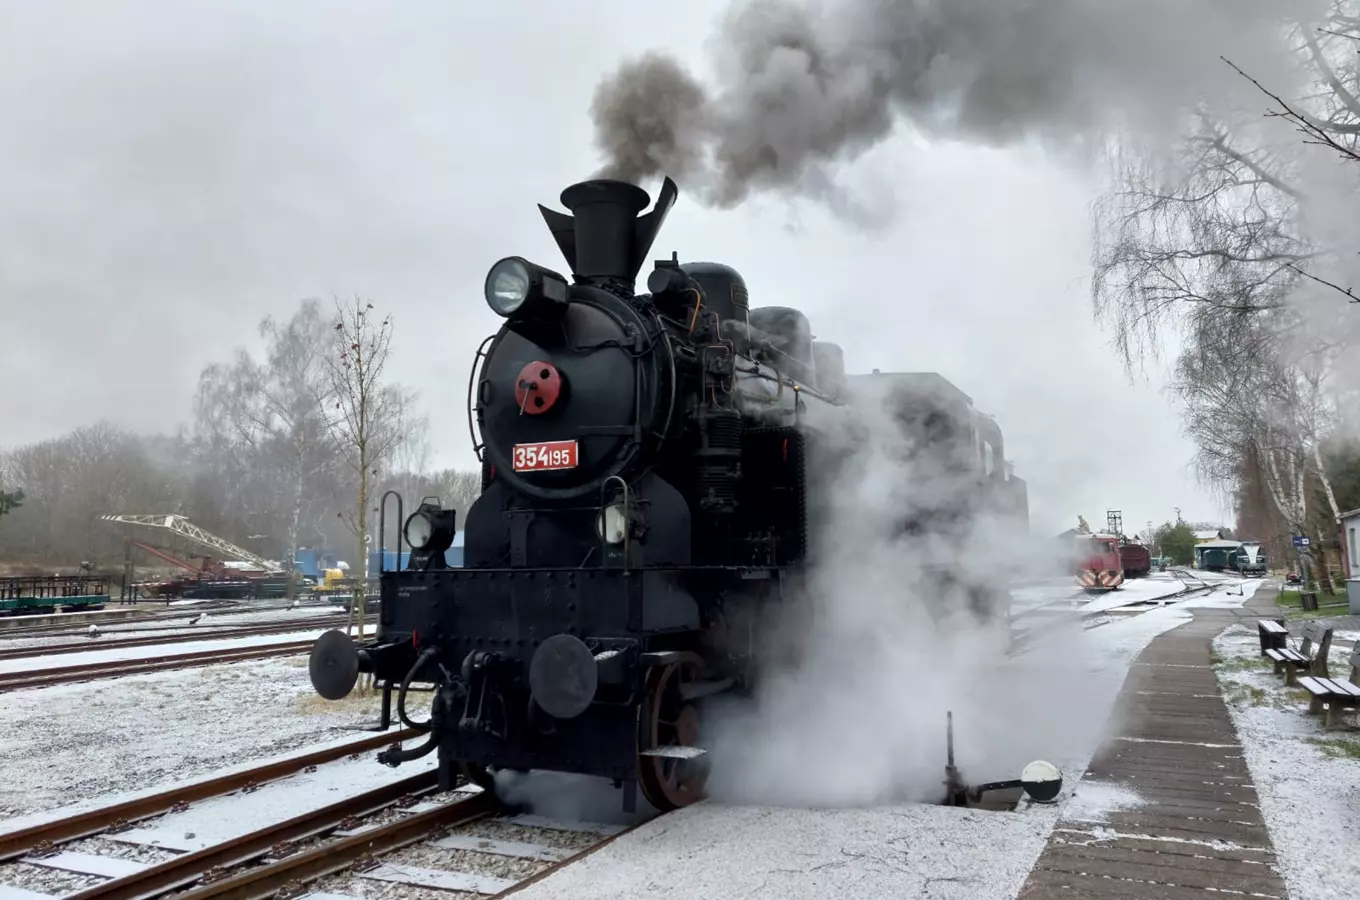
(674,751)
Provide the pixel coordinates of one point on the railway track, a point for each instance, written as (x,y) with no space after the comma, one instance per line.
(87,645)
(46,835)
(403,832)
(154,618)
(13,681)
(1027,638)
(24,631)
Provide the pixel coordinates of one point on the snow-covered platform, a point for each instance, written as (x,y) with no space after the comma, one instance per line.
(710,851)
(1167,808)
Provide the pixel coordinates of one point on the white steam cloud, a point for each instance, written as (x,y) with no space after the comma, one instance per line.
(800,87)
(885,647)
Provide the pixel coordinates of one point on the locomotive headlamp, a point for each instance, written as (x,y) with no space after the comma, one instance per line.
(419,529)
(517,288)
(430,529)
(612,524)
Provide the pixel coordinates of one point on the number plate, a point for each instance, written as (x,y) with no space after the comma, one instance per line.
(544,457)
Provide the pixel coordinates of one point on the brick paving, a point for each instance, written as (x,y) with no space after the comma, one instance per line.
(1198,832)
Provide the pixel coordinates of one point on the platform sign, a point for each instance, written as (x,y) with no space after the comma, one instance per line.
(1300,540)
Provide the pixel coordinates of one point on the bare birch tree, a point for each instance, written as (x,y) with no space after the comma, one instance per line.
(1244,401)
(273,414)
(1245,214)
(366,416)
(1230,245)
(457,489)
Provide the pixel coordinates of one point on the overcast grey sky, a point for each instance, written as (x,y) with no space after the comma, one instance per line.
(173,171)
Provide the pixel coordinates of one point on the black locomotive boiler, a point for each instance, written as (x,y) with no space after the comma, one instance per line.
(653,467)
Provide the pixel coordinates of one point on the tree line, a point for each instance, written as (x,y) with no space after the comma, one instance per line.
(1244,245)
(292,447)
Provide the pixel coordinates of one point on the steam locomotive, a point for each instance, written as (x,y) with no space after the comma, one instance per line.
(655,467)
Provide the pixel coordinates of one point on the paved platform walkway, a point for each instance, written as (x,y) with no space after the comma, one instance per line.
(1180,817)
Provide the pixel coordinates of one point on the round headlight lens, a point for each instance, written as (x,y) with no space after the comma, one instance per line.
(612,524)
(419,528)
(507,286)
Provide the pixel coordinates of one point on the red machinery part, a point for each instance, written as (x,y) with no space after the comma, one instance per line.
(537,388)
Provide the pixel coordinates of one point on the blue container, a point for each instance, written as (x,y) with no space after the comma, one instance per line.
(306,562)
(387,561)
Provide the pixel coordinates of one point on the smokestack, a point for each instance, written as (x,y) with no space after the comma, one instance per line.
(605,240)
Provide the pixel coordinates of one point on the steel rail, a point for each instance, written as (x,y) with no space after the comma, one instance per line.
(115,643)
(44,835)
(209,863)
(23,630)
(293,871)
(563,863)
(13,681)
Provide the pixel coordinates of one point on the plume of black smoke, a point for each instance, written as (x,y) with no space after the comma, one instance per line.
(802,87)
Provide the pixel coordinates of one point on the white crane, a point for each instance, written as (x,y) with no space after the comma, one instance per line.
(182,526)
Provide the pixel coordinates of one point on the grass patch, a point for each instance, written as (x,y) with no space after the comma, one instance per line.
(1337,747)
(1290,602)
(360,702)
(1245,664)
(1245,695)
(1290,699)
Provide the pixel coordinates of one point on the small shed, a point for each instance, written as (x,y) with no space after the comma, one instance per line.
(1349,523)
(1228,547)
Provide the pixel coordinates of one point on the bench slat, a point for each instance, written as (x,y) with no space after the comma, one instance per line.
(1318,687)
(1287,655)
(1272,626)
(1345,688)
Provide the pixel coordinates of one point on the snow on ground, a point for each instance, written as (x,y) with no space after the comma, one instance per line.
(1134,590)
(707,851)
(74,742)
(1092,801)
(1308,779)
(1156,586)
(56,745)
(151,651)
(910,850)
(221,819)
(1033,596)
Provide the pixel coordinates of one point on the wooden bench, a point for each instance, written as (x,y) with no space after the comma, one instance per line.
(1274,636)
(1311,656)
(1333,693)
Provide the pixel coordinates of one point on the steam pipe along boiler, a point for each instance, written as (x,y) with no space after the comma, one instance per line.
(652,468)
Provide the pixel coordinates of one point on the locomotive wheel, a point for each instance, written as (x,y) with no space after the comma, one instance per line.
(667,719)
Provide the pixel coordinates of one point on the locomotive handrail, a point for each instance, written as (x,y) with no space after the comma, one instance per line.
(477,357)
(670,410)
(382,530)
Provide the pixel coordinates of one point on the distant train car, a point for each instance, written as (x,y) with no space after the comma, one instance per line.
(1250,560)
(1099,566)
(1137,560)
(1214,559)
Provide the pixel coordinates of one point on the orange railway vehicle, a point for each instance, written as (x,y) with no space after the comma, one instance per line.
(1099,566)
